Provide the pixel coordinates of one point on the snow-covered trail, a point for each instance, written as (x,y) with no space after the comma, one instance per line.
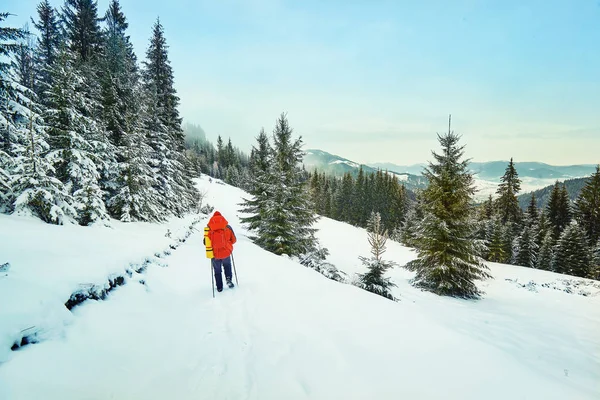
(287,332)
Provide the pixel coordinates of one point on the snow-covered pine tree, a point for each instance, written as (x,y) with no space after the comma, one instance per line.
(449,259)
(136,198)
(34,190)
(77,144)
(24,63)
(166,135)
(572,255)
(525,248)
(129,188)
(82,26)
(287,213)
(374,279)
(587,207)
(9,44)
(46,50)
(410,227)
(507,203)
(532,214)
(546,253)
(254,207)
(496,244)
(558,209)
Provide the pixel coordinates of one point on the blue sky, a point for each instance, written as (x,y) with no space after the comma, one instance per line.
(375,80)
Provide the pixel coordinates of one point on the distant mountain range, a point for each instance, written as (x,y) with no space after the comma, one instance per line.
(332,164)
(493,170)
(534,175)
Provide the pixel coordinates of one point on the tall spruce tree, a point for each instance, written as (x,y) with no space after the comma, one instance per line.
(77,144)
(507,203)
(9,44)
(83,30)
(572,255)
(587,207)
(448,259)
(546,253)
(46,50)
(558,209)
(525,248)
(287,213)
(532,214)
(164,124)
(374,279)
(496,247)
(261,172)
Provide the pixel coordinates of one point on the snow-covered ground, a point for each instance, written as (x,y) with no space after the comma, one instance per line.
(287,332)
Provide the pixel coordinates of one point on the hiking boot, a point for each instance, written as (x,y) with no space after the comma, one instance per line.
(230,284)
(219,289)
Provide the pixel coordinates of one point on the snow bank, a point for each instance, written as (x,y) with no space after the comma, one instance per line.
(48,263)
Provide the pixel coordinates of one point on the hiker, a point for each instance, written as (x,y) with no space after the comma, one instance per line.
(222,238)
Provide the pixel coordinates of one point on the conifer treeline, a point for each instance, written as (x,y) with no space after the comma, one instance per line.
(563,237)
(353,200)
(85,131)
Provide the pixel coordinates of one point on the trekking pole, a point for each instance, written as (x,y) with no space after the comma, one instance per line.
(234,271)
(212,278)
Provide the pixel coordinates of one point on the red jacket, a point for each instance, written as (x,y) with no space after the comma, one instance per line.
(216,223)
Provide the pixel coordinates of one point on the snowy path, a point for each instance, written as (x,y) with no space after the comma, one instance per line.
(292,335)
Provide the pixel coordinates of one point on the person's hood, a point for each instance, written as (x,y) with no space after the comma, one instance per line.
(217,221)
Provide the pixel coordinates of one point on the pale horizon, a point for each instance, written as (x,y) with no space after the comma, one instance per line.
(375,81)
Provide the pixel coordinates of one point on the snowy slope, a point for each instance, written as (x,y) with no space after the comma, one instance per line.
(288,332)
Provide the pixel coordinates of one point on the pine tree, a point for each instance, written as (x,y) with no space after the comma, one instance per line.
(487,209)
(546,253)
(46,50)
(9,38)
(136,198)
(412,222)
(164,127)
(532,213)
(261,172)
(558,209)
(373,280)
(286,213)
(587,207)
(497,247)
(507,203)
(525,249)
(24,63)
(572,255)
(448,257)
(76,141)
(359,207)
(83,29)
(34,190)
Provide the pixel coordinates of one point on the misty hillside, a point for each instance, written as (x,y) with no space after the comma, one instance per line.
(335,165)
(542,195)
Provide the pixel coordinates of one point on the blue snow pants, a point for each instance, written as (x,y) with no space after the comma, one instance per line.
(226,263)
